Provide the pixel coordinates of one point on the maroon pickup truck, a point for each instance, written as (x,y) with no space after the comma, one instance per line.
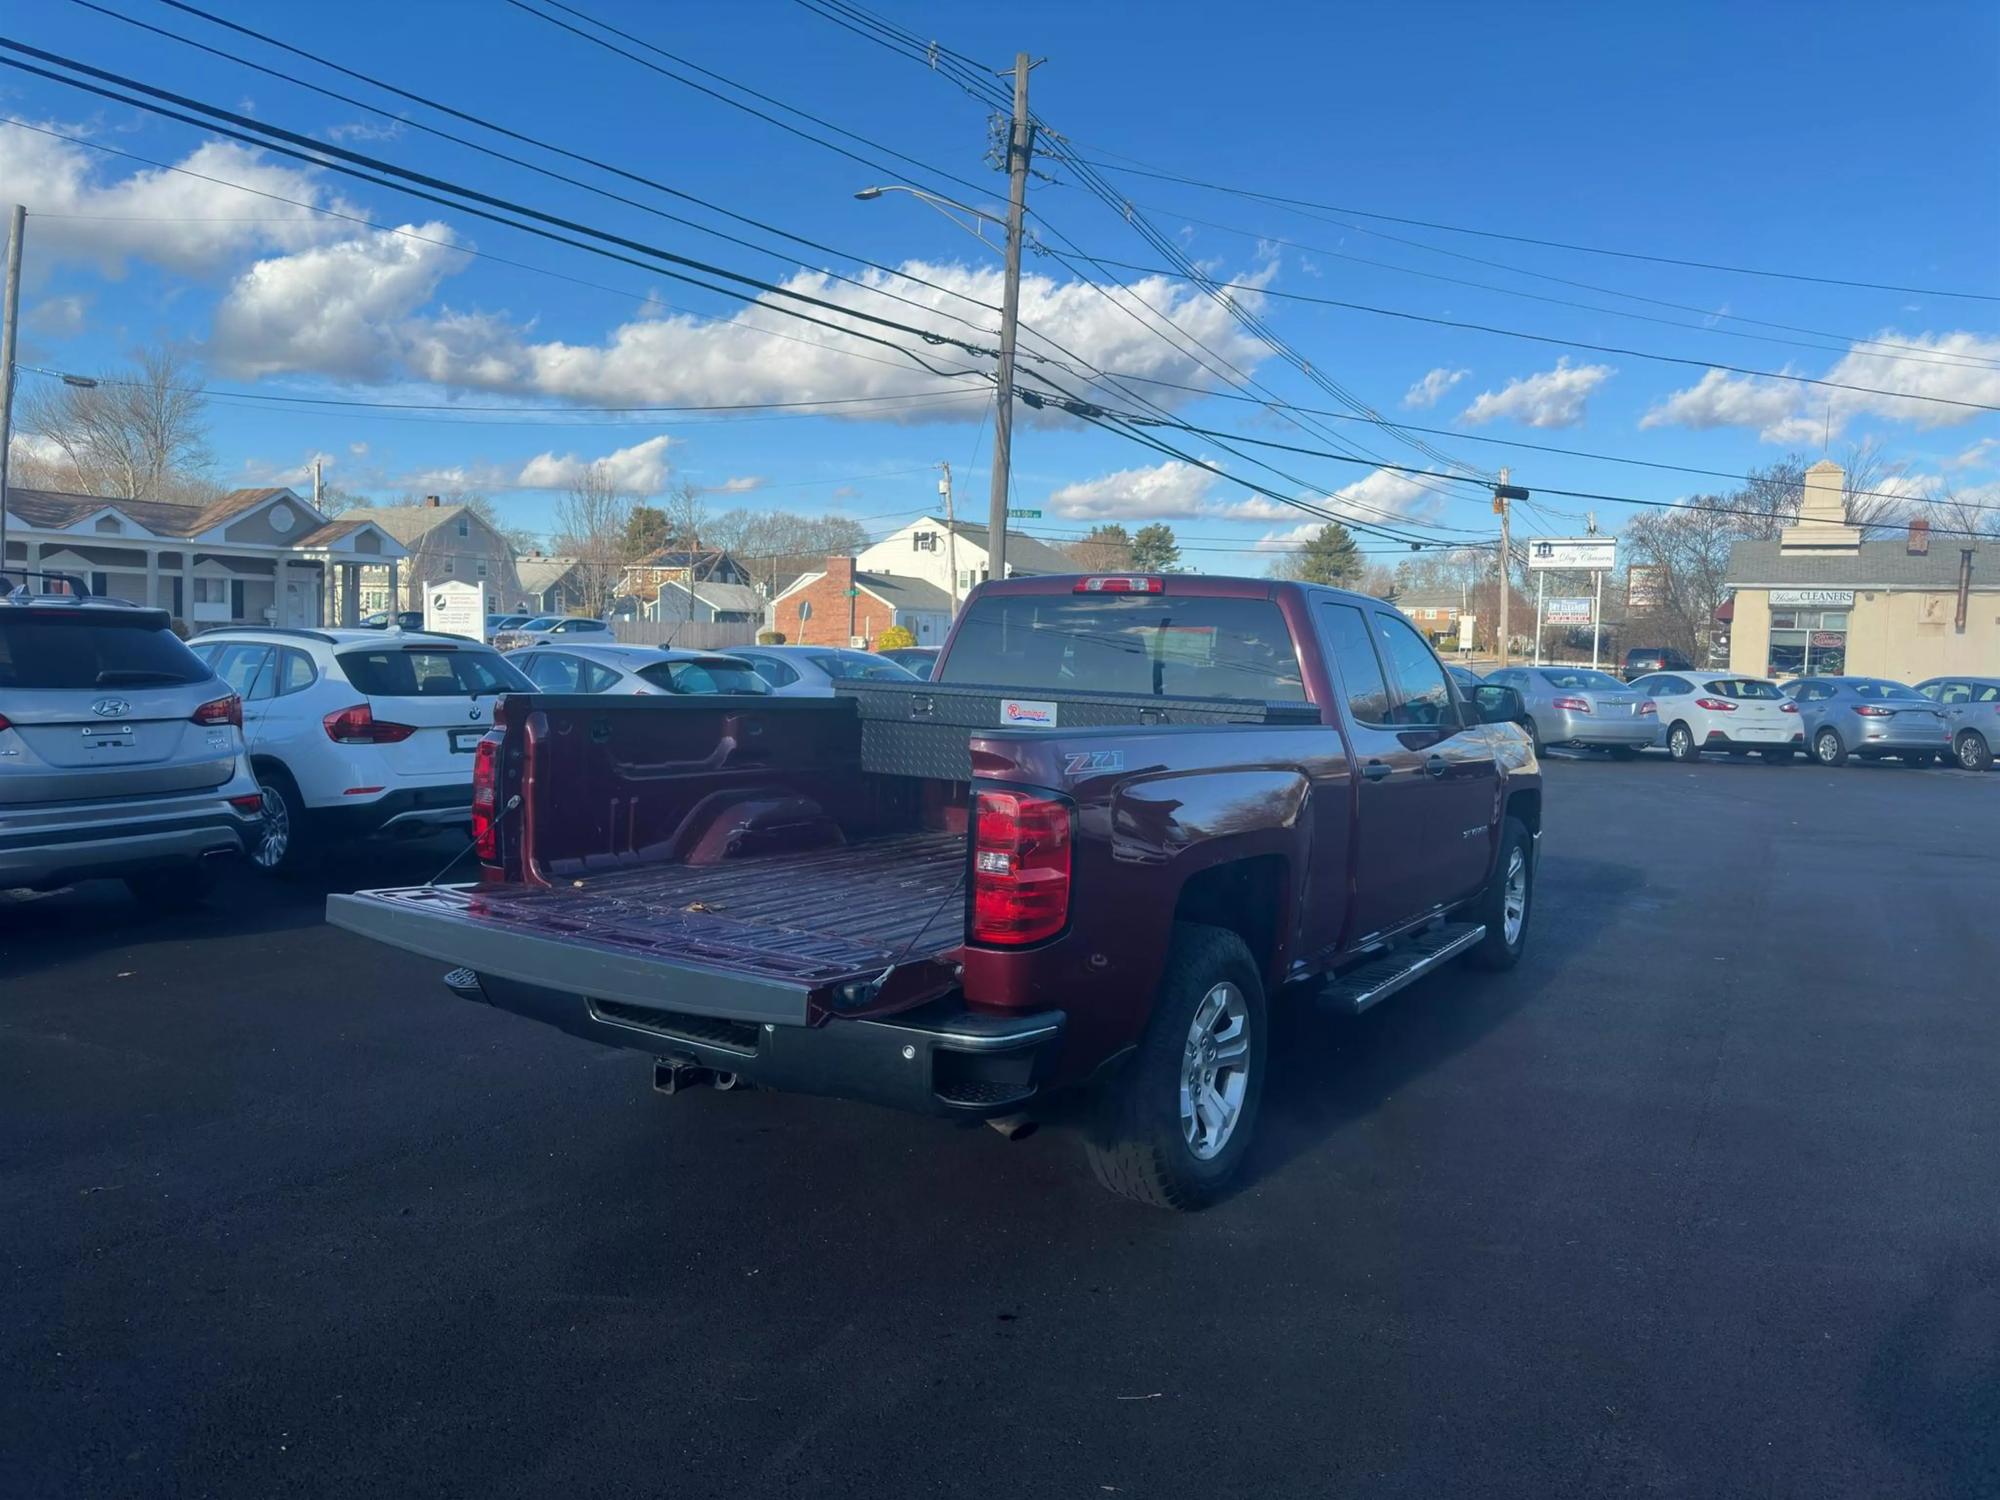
(1072,874)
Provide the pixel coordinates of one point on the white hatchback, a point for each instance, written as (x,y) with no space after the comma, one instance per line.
(1724,711)
(353,733)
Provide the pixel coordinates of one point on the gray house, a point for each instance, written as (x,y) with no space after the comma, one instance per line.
(708,603)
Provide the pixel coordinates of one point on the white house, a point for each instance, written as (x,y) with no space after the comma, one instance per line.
(923,550)
(259,556)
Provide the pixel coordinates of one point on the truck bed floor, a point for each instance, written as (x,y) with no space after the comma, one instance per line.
(807,917)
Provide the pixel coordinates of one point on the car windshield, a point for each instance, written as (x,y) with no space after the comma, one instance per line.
(1156,645)
(709,675)
(859,666)
(92,649)
(1582,679)
(1748,688)
(430,672)
(1872,690)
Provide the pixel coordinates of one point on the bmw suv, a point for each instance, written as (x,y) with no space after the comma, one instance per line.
(121,753)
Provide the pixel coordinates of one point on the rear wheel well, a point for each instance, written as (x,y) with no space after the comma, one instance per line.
(263,765)
(1247,897)
(1525,806)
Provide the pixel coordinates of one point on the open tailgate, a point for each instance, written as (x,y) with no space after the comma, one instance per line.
(786,940)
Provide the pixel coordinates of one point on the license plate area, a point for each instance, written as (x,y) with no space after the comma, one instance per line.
(108,737)
(465,741)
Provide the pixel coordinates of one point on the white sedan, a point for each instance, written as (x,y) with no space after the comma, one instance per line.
(1724,711)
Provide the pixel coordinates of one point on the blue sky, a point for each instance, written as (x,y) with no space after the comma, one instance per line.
(1836,140)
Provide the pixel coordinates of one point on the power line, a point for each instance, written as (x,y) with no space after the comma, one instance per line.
(1549,244)
(1543,338)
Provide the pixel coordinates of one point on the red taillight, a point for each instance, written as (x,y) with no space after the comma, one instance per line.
(1649,707)
(485,781)
(1120,585)
(1573,705)
(359,726)
(220,711)
(1788,707)
(1020,868)
(249,802)
(1716,705)
(1870,711)
(5,722)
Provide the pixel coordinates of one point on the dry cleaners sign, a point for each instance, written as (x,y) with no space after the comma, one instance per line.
(1812,598)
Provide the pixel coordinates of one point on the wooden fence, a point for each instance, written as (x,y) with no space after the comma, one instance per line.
(694,635)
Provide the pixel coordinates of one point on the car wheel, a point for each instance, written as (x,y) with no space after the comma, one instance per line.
(1508,901)
(1534,733)
(177,889)
(1972,752)
(285,845)
(1174,1128)
(1828,750)
(1681,743)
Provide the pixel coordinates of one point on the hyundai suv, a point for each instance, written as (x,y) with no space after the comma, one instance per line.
(121,754)
(356,732)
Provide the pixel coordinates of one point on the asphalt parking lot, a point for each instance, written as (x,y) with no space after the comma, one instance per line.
(1703,1199)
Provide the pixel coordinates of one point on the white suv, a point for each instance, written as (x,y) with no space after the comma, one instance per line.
(353,732)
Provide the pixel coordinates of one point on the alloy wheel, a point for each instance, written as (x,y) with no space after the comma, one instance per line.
(1514,897)
(1215,1071)
(271,849)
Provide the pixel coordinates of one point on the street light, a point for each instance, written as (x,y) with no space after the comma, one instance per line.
(942,204)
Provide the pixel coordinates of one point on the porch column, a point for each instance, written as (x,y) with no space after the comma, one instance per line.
(152,578)
(395,588)
(187,586)
(350,593)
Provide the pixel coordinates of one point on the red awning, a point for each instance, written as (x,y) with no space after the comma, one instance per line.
(1727,612)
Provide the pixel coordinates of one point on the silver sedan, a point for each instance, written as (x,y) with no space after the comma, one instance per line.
(645,670)
(1868,718)
(1581,707)
(811,671)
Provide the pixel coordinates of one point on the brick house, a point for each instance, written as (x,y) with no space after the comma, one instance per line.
(1433,611)
(840,606)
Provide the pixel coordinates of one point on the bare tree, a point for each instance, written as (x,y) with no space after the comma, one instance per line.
(1951,512)
(1105,549)
(777,545)
(1689,549)
(590,526)
(140,433)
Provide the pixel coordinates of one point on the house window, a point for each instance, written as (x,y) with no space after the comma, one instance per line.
(211,591)
(464,527)
(450,564)
(480,568)
(923,541)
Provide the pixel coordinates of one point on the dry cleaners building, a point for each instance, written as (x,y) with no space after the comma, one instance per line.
(1822,601)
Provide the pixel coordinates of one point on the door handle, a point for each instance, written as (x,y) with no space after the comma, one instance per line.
(1375,770)
(1437,765)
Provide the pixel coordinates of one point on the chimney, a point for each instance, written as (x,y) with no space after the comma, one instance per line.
(432,501)
(1822,525)
(1920,537)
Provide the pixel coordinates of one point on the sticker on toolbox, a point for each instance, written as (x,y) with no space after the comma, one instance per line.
(1029,711)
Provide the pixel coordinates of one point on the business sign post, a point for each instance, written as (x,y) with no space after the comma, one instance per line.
(1597,555)
(1574,611)
(456,608)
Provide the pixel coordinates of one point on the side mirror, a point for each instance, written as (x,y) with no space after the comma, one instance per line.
(1495,704)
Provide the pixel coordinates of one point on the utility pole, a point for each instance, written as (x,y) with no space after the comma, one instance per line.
(1020,146)
(950,536)
(1503,494)
(8,330)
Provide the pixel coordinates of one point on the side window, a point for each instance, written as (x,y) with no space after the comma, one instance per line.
(1986,692)
(249,669)
(297,672)
(597,678)
(554,672)
(1422,697)
(1345,631)
(1815,692)
(774,672)
(1954,692)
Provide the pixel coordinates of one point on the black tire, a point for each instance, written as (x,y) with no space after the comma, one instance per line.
(1534,734)
(285,816)
(1827,748)
(1971,752)
(1138,1145)
(1682,745)
(177,889)
(1777,757)
(1496,950)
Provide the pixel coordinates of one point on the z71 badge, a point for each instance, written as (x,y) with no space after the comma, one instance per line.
(1093,762)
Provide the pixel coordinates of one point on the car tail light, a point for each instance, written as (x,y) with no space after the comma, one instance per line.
(1020,867)
(5,722)
(485,782)
(1716,705)
(249,802)
(1120,585)
(1649,707)
(1870,711)
(1573,705)
(1788,707)
(359,726)
(220,711)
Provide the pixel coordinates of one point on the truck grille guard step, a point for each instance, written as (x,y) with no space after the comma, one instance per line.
(1402,965)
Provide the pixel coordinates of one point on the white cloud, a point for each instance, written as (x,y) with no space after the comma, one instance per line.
(1172,491)
(59,317)
(258,471)
(1552,398)
(1978,456)
(1426,392)
(639,470)
(336,309)
(1379,495)
(364,130)
(1719,399)
(164,218)
(738,484)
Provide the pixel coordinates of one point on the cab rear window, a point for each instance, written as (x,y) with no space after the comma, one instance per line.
(93,649)
(1158,645)
(430,672)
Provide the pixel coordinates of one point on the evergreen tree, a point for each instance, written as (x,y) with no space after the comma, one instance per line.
(1330,556)
(1154,549)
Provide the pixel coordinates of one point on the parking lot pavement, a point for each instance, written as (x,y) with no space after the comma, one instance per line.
(1703,1199)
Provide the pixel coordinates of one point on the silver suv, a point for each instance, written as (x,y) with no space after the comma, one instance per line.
(121,754)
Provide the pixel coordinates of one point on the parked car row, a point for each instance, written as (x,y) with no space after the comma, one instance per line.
(1690,713)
